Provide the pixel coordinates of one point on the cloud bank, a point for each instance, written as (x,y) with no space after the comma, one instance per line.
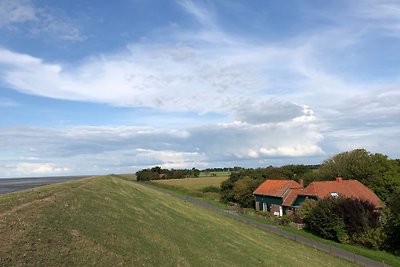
(290,99)
(101,149)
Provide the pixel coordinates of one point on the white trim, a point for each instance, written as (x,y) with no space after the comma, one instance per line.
(265,207)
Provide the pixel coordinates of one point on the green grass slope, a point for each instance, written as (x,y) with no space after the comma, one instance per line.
(108,221)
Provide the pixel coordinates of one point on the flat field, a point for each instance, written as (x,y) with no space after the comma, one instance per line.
(109,221)
(208,174)
(194,183)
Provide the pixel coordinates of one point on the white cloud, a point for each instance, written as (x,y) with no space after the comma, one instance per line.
(16,11)
(381,14)
(119,149)
(150,79)
(62,28)
(175,78)
(368,112)
(37,22)
(36,169)
(363,17)
(221,73)
(268,111)
(203,14)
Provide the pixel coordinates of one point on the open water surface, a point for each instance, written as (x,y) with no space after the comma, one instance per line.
(8,185)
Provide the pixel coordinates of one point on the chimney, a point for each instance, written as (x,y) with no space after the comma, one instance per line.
(301,182)
(339,179)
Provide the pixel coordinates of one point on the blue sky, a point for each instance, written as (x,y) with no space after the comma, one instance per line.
(91,87)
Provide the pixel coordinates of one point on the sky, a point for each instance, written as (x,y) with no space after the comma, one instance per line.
(96,87)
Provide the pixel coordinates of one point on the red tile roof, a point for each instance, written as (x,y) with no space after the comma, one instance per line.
(276,188)
(291,196)
(347,188)
(288,190)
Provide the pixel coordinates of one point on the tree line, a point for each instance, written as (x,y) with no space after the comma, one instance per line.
(157,173)
(224,169)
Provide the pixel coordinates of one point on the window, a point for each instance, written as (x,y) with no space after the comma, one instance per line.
(334,194)
(265,207)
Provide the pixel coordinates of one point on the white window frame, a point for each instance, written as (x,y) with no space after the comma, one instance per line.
(265,206)
(334,194)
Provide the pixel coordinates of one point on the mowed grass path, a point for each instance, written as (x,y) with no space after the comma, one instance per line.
(194,183)
(108,221)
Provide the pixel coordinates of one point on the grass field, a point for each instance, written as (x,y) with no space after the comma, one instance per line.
(108,221)
(194,183)
(218,174)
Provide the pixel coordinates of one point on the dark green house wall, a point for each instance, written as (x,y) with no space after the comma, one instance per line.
(278,201)
(269,200)
(300,199)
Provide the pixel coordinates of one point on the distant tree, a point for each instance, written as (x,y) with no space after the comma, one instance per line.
(157,169)
(157,172)
(195,172)
(146,175)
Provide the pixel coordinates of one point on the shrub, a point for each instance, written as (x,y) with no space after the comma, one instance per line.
(345,220)
(371,238)
(263,213)
(359,216)
(286,219)
(307,207)
(323,221)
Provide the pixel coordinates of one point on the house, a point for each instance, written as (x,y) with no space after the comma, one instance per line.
(271,194)
(281,197)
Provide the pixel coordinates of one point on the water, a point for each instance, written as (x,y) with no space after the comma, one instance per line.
(17,184)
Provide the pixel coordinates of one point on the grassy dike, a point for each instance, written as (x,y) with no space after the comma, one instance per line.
(107,220)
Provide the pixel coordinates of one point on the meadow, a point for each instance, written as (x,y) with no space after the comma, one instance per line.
(110,221)
(194,183)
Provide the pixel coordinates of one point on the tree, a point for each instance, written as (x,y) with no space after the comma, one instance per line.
(355,164)
(242,192)
(306,207)
(358,215)
(392,225)
(195,172)
(345,220)
(323,221)
(146,175)
(376,171)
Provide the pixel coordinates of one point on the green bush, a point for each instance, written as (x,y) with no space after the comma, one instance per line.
(286,219)
(323,221)
(371,238)
(345,220)
(263,213)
